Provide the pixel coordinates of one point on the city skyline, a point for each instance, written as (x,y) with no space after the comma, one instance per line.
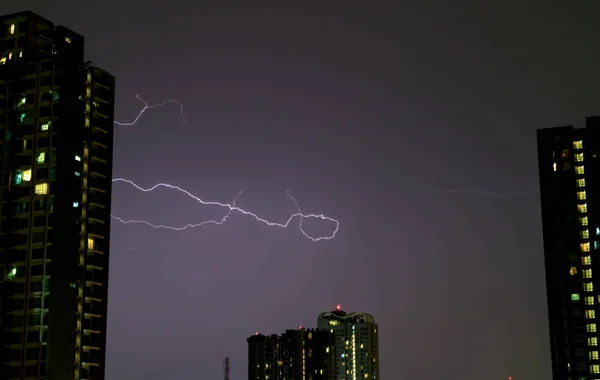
(365,112)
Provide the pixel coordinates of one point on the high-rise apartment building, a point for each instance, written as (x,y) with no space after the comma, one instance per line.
(356,343)
(569,170)
(56,134)
(302,354)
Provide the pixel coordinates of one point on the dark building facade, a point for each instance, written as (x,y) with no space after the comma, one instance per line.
(569,171)
(356,343)
(295,355)
(56,139)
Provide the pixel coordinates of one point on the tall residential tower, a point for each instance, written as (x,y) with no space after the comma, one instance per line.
(569,170)
(356,343)
(56,141)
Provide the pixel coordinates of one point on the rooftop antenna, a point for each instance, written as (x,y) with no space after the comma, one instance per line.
(227,367)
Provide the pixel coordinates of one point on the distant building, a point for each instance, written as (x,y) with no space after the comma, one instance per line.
(56,148)
(569,171)
(295,355)
(356,343)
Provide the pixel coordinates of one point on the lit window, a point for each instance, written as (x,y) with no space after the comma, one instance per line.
(579,157)
(593,355)
(591,327)
(554,166)
(585,247)
(11,29)
(27,175)
(21,54)
(77,158)
(597,230)
(12,273)
(578,144)
(592,341)
(587,273)
(589,300)
(588,287)
(18,177)
(580,182)
(585,234)
(581,195)
(573,271)
(2,60)
(10,55)
(595,368)
(590,314)
(41,158)
(45,127)
(75,204)
(582,208)
(583,221)
(41,188)
(586,260)
(579,170)
(90,243)
(575,297)
(67,40)
(77,174)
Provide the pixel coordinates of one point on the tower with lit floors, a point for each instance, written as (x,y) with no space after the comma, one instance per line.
(355,343)
(56,142)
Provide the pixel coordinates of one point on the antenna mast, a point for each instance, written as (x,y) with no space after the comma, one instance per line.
(227,367)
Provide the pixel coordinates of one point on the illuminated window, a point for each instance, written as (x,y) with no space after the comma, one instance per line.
(90,243)
(45,127)
(12,273)
(582,208)
(579,157)
(587,273)
(581,196)
(593,355)
(583,221)
(554,166)
(2,60)
(41,188)
(75,204)
(585,247)
(21,54)
(588,287)
(590,314)
(27,175)
(595,368)
(586,260)
(41,158)
(591,327)
(580,182)
(77,158)
(18,177)
(578,144)
(67,40)
(11,29)
(573,271)
(589,300)
(10,55)
(77,174)
(575,297)
(597,230)
(592,341)
(584,234)
(579,170)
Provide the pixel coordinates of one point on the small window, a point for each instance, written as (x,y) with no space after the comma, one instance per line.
(41,188)
(575,297)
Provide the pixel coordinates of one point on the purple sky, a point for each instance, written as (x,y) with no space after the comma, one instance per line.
(361,111)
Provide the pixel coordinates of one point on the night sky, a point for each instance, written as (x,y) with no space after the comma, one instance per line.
(363,110)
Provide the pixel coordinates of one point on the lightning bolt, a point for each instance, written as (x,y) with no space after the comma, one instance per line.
(147,107)
(486,192)
(231,208)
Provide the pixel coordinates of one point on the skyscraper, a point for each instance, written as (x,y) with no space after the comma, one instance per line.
(569,172)
(295,355)
(356,343)
(56,133)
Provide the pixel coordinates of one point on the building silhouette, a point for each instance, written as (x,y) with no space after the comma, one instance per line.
(56,133)
(356,343)
(569,173)
(302,354)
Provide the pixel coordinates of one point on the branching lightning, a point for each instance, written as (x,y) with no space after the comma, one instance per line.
(148,106)
(231,208)
(486,192)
